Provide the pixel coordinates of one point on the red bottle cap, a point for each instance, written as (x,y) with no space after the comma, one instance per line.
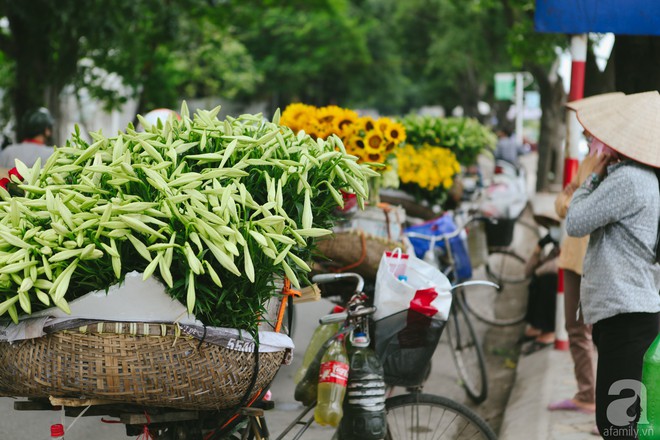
(57,430)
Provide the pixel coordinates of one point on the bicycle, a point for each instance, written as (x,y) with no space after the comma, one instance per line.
(499,303)
(507,268)
(503,264)
(408,415)
(466,348)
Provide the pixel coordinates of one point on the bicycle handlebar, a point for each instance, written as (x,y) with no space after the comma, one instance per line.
(475,283)
(333,277)
(340,317)
(450,235)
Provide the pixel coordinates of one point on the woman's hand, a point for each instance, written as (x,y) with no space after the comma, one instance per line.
(564,197)
(595,164)
(604,160)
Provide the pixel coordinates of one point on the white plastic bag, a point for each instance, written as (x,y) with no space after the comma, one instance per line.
(405,282)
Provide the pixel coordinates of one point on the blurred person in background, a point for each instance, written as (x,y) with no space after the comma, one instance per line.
(38,131)
(542,295)
(507,147)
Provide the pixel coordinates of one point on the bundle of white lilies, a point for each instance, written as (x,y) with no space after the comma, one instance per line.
(216,209)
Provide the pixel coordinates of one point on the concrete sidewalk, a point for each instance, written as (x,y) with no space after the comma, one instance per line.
(541,378)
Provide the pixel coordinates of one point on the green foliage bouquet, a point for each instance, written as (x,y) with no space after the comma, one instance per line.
(465,137)
(217,210)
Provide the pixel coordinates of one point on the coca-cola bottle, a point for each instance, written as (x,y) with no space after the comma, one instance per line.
(306,389)
(321,335)
(333,377)
(364,405)
(307,386)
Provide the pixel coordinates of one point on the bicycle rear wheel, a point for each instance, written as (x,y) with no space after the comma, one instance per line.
(505,266)
(467,352)
(483,302)
(426,416)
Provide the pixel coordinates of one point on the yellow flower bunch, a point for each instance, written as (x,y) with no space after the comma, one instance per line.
(430,168)
(371,140)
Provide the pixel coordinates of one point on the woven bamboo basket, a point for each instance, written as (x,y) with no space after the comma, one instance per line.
(356,251)
(413,207)
(144,364)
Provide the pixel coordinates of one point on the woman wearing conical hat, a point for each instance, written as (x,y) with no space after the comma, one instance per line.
(618,205)
(570,261)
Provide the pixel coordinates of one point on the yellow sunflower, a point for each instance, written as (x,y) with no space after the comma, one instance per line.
(390,146)
(366,123)
(395,132)
(297,115)
(375,140)
(328,114)
(383,123)
(357,142)
(319,129)
(374,157)
(346,121)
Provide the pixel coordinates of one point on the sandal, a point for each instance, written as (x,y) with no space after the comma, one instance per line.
(526,338)
(534,347)
(568,405)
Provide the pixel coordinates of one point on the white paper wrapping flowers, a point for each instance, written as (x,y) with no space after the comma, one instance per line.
(134,300)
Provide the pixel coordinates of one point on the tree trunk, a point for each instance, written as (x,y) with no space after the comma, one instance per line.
(553,127)
(469,94)
(595,80)
(29,91)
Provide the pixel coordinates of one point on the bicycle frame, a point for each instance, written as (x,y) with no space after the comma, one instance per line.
(460,341)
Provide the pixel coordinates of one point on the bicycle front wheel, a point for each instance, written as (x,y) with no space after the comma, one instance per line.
(467,352)
(505,266)
(482,302)
(426,416)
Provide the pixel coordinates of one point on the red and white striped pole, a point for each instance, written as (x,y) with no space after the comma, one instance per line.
(573,128)
(571,163)
(561,335)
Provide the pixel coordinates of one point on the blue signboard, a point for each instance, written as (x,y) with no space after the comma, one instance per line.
(623,17)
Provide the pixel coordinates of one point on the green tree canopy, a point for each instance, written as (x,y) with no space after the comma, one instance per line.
(306,52)
(161,50)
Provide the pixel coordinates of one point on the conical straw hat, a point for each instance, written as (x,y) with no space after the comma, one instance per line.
(596,99)
(629,124)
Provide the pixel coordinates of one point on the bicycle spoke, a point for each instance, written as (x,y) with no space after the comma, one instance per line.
(499,307)
(505,266)
(423,416)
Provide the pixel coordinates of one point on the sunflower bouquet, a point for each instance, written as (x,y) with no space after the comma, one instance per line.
(372,140)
